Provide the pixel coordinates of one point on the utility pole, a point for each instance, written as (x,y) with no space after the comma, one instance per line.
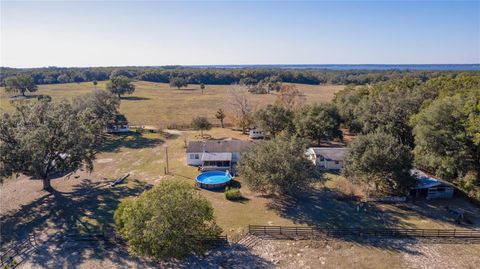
(166,160)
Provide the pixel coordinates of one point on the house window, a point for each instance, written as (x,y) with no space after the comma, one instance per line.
(337,162)
(195,156)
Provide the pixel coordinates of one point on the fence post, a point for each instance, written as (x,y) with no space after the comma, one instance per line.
(281,230)
(264,230)
(454,232)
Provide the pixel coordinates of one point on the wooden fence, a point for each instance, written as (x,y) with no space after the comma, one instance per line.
(299,231)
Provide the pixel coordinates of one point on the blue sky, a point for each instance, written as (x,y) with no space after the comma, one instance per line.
(106,33)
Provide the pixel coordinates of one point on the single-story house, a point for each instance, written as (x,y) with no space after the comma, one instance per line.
(430,187)
(119,125)
(326,158)
(216,154)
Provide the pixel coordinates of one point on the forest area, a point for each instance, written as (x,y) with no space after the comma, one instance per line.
(220,76)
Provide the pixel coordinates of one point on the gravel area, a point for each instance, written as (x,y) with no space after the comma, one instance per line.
(270,254)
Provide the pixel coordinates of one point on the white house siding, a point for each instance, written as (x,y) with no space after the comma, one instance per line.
(194,158)
(334,165)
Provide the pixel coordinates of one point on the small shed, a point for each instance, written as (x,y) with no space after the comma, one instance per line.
(431,187)
(326,158)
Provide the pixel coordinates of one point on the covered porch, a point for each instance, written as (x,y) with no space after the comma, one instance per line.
(216,161)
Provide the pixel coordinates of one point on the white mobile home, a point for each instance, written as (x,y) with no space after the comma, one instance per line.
(120,125)
(256,134)
(327,158)
(215,154)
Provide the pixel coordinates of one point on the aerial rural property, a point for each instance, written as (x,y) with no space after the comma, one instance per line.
(209,134)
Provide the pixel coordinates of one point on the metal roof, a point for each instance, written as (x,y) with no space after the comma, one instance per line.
(226,145)
(331,154)
(425,181)
(217,156)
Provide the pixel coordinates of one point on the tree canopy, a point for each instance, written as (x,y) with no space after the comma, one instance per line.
(42,138)
(101,110)
(21,83)
(438,118)
(202,124)
(447,140)
(381,161)
(171,220)
(273,119)
(216,76)
(179,82)
(120,85)
(277,166)
(318,122)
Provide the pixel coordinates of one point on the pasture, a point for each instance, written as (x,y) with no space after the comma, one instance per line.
(159,105)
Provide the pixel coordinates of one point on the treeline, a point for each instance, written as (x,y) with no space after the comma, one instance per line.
(219,76)
(438,121)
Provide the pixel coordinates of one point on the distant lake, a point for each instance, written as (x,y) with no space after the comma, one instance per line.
(425,67)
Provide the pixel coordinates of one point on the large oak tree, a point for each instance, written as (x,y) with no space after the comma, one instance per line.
(41,138)
(120,85)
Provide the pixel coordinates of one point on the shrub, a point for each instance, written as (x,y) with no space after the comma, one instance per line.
(232,194)
(168,221)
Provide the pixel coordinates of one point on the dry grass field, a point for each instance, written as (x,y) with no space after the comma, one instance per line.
(159,105)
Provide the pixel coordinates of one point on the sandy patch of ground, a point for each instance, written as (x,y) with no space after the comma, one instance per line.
(104,160)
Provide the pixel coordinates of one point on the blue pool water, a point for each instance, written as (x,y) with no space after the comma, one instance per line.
(214,177)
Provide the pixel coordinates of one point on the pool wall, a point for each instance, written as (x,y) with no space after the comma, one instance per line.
(211,186)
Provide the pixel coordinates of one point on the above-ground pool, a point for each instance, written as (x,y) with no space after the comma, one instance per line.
(213,179)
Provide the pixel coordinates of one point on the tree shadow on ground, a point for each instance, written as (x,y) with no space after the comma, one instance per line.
(134,98)
(79,254)
(89,207)
(332,209)
(132,140)
(328,208)
(234,256)
(27,97)
(187,89)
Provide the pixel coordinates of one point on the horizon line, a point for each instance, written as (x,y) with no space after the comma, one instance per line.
(248,65)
